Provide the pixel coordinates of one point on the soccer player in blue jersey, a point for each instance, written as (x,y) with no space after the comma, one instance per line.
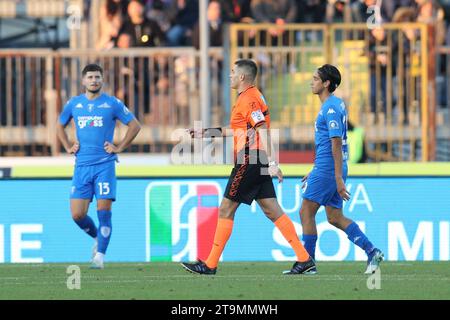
(95,114)
(325,184)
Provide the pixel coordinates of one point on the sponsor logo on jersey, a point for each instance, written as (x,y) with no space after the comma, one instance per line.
(89,121)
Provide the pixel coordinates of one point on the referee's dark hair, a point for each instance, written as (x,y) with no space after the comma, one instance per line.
(249,66)
(330,73)
(91,67)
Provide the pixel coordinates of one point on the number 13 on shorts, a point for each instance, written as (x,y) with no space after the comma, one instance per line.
(103,188)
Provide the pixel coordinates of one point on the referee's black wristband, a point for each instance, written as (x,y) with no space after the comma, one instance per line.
(212,132)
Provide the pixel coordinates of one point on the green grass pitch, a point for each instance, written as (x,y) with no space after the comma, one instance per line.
(234,281)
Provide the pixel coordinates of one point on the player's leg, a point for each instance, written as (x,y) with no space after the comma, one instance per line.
(316,191)
(266,198)
(336,218)
(79,209)
(224,228)
(308,213)
(104,231)
(105,192)
(355,235)
(236,192)
(273,211)
(80,197)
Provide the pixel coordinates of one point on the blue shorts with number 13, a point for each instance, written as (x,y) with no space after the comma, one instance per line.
(97,179)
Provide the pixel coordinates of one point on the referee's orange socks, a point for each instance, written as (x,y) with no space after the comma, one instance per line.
(286,226)
(223,233)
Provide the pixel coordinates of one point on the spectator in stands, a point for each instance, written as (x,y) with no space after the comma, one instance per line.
(279,12)
(361,13)
(183,15)
(215,23)
(144,32)
(182,68)
(139,32)
(404,3)
(112,14)
(447,36)
(445,4)
(402,96)
(124,40)
(237,11)
(356,143)
(338,11)
(378,60)
(311,11)
(158,10)
(122,71)
(431,12)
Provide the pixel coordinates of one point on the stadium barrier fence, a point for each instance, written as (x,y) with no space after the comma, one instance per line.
(389,85)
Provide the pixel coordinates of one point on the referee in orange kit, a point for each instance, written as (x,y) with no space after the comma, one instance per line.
(251,177)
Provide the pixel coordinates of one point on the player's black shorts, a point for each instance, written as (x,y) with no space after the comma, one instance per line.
(250,179)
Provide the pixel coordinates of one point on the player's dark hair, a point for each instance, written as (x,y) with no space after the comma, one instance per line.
(92,67)
(250,67)
(330,73)
(112,7)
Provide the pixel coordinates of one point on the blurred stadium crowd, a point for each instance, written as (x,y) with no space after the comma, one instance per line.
(160,84)
(152,23)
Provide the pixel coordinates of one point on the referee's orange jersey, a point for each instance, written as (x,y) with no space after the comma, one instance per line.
(249,112)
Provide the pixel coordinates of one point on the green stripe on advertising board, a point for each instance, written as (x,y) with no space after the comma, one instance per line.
(161,223)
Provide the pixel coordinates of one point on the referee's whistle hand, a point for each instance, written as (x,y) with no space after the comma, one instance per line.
(275,171)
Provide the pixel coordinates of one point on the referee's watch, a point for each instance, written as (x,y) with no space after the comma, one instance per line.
(273,163)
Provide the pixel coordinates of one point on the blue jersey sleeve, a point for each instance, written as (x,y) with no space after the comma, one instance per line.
(334,122)
(66,114)
(121,112)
